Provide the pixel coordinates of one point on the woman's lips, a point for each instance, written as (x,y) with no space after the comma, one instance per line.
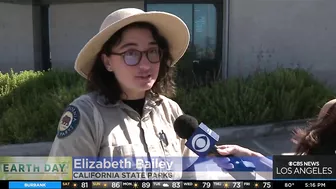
(144,77)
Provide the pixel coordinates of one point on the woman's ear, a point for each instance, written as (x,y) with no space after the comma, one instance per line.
(106,60)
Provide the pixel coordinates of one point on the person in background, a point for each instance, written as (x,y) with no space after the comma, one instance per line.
(319,138)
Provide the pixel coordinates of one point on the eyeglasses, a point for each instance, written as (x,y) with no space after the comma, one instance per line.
(133,57)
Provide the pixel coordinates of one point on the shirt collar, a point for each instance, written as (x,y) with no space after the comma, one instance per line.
(151,101)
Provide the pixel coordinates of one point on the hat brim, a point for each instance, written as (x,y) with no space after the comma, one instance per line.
(169,26)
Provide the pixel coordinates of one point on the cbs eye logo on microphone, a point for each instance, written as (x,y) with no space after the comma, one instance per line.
(202,140)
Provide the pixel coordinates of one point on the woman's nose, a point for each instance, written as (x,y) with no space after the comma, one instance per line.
(144,63)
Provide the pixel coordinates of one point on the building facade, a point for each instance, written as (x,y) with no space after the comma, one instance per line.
(240,36)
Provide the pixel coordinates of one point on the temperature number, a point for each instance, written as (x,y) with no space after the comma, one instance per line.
(116,184)
(145,185)
(237,185)
(84,185)
(289,184)
(206,185)
(176,185)
(267,185)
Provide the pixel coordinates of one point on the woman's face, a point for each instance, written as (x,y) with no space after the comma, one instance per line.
(137,67)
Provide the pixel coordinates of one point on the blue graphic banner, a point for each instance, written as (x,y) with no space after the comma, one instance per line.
(34,185)
(134,164)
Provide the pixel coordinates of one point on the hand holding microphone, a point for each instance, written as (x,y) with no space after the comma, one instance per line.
(202,141)
(233,151)
(236,150)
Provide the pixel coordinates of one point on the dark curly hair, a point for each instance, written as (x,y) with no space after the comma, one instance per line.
(319,138)
(105,82)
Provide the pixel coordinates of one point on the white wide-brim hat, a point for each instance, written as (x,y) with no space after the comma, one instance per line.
(169,26)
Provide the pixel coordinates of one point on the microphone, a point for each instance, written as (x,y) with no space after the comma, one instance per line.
(202,141)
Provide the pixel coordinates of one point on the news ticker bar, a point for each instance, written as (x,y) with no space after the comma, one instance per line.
(166,184)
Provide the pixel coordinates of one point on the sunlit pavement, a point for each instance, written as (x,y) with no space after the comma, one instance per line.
(278,144)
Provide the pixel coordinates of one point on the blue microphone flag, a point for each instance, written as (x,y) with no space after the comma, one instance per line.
(202,140)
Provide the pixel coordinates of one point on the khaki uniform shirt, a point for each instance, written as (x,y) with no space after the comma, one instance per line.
(89,127)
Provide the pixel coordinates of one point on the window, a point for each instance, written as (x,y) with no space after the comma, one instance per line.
(204,38)
(202,21)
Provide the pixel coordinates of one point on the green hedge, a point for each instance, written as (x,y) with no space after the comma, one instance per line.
(282,95)
(31,103)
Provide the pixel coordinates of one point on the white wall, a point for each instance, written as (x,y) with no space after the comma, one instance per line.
(16,37)
(72,25)
(264,33)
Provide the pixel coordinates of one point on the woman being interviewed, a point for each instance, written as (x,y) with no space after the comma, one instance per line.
(129,69)
(128,66)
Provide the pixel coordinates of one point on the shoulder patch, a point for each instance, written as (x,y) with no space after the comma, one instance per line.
(68,122)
